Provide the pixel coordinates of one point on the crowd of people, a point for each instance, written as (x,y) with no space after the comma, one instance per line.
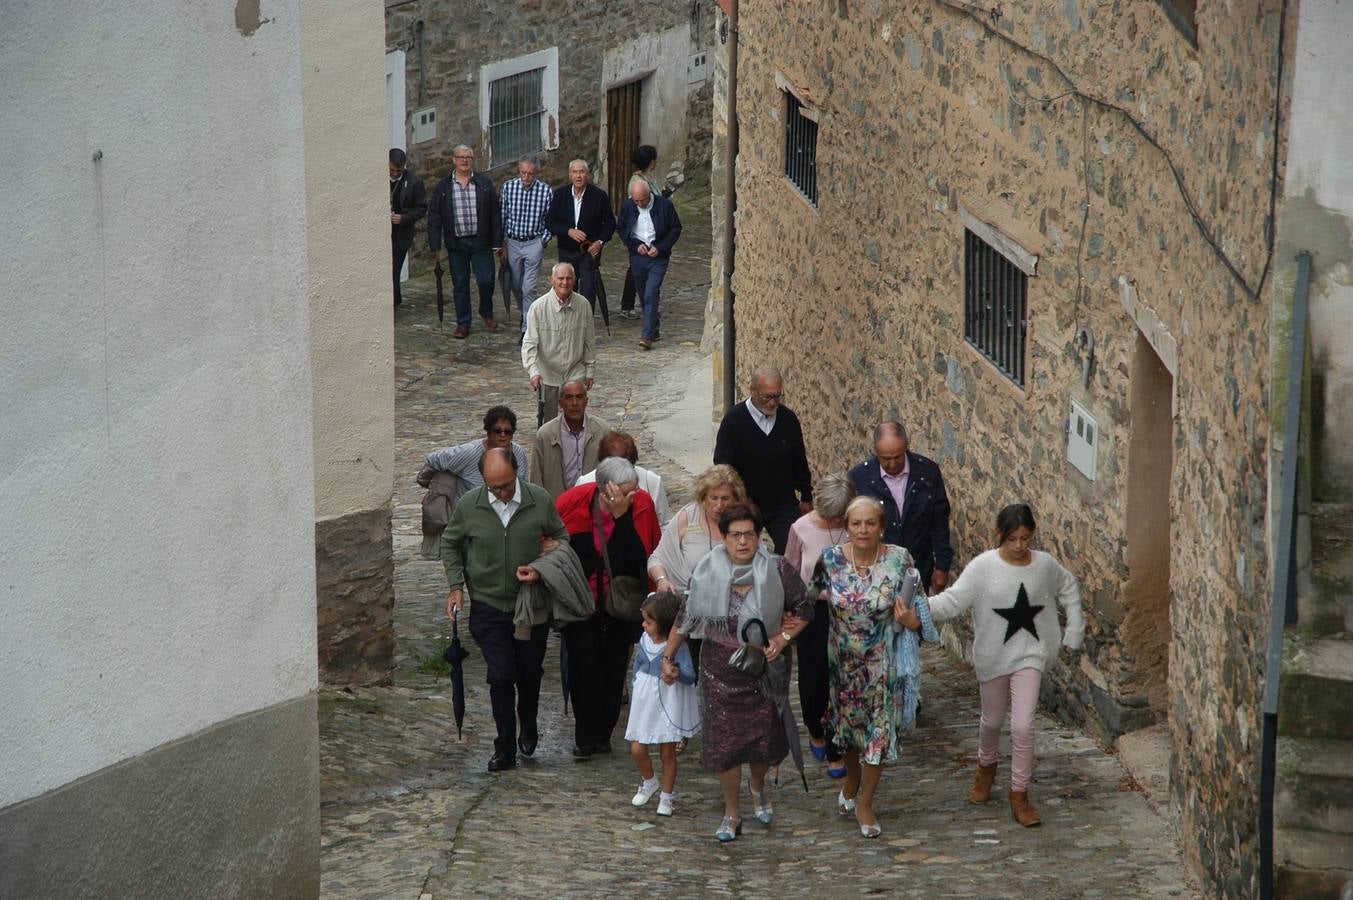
(474,222)
(702,613)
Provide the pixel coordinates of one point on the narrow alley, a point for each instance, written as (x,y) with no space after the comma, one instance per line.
(408,810)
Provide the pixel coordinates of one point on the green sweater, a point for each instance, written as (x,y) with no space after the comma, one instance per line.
(476,539)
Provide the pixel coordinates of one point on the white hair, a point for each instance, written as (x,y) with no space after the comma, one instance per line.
(615,470)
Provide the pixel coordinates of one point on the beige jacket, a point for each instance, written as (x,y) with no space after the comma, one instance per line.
(559,345)
(547,453)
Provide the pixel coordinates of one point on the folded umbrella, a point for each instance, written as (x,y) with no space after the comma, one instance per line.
(505,279)
(775,681)
(441,298)
(455,655)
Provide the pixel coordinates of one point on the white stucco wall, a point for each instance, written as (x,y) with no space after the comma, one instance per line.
(660,59)
(156,460)
(1317,215)
(348,208)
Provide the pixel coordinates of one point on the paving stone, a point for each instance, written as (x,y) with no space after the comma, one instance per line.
(408,810)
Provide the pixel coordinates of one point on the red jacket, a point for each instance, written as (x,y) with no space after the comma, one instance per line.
(627,556)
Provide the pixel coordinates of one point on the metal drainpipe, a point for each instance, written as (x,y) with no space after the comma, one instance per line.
(730,205)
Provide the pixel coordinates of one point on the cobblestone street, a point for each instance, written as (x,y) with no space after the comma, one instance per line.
(409,811)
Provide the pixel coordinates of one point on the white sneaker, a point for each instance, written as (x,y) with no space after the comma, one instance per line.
(666,805)
(646,791)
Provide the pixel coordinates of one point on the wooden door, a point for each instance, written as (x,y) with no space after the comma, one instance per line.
(622,136)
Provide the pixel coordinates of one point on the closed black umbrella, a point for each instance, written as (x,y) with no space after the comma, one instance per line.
(505,279)
(455,655)
(599,287)
(776,683)
(441,298)
(563,671)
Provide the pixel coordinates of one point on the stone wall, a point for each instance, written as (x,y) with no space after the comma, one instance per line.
(600,45)
(1138,169)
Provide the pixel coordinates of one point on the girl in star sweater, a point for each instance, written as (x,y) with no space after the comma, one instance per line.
(1011,591)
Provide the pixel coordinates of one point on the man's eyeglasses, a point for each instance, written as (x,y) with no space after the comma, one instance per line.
(766,398)
(505,432)
(740,536)
(508,488)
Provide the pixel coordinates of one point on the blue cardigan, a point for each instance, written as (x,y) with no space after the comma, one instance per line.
(644,664)
(666,224)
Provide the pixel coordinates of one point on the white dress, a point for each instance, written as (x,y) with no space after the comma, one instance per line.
(661,713)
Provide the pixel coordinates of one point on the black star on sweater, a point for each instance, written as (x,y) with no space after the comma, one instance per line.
(1021,615)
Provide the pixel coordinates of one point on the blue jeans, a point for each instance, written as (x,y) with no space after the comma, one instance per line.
(648,275)
(470,252)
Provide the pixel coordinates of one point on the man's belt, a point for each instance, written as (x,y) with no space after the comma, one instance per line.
(529,237)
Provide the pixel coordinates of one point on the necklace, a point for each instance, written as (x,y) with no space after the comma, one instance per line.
(862,568)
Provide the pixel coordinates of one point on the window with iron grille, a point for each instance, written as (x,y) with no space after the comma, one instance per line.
(516,105)
(995,306)
(800,148)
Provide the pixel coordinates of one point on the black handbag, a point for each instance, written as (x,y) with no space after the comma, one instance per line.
(625,594)
(749,658)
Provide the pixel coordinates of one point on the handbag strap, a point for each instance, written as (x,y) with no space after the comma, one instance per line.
(759,624)
(600,534)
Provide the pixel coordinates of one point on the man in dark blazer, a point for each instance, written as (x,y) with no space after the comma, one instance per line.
(466,217)
(912,492)
(580,216)
(649,227)
(408,204)
(763,441)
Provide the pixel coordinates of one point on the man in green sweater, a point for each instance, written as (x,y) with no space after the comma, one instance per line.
(493,534)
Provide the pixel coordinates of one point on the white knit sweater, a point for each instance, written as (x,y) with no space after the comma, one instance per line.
(1000,646)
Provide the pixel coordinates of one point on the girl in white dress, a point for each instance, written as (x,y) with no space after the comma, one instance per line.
(663,708)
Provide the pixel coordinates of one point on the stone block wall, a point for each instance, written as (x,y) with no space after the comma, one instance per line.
(1138,168)
(444,56)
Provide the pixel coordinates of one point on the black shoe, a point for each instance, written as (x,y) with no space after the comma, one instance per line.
(500,761)
(527,744)
(602,748)
(581,752)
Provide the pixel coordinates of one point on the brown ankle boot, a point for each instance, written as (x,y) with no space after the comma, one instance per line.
(1023,810)
(981,784)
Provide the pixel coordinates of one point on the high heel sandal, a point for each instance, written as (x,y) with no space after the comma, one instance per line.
(844,807)
(869,831)
(819,753)
(763,811)
(728,831)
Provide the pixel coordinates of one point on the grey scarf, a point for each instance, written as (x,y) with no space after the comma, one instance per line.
(711,583)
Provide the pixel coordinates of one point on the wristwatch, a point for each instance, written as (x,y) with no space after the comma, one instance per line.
(789,639)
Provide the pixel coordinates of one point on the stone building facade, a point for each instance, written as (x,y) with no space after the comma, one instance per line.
(1104,176)
(580,81)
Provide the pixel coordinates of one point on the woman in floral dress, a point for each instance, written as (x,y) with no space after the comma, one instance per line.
(862,581)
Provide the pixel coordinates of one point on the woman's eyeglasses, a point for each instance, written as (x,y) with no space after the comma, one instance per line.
(740,536)
(505,432)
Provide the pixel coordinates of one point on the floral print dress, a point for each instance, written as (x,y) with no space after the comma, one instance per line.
(866,688)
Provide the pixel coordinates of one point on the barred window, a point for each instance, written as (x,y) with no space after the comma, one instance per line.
(516,105)
(801,148)
(995,306)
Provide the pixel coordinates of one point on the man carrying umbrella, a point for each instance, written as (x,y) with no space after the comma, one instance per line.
(497,527)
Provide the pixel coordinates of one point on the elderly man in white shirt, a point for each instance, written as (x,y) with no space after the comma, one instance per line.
(560,340)
(618,443)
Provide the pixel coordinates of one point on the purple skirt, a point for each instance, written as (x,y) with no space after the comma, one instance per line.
(738,721)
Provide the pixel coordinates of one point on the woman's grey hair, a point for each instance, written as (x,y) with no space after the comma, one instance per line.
(615,470)
(831,494)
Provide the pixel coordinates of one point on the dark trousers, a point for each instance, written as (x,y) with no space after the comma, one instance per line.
(598,657)
(648,275)
(399,245)
(627,296)
(778,521)
(471,253)
(515,667)
(586,269)
(813,687)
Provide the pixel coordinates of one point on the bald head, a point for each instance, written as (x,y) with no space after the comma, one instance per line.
(640,193)
(499,468)
(890,446)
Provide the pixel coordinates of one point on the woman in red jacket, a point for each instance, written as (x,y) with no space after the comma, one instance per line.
(616,512)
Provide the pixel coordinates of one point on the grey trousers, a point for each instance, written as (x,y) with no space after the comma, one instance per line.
(523,259)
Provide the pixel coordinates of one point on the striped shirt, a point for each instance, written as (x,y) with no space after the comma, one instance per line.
(462,460)
(524,211)
(463,203)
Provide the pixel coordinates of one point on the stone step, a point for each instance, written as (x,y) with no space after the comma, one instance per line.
(1315,785)
(1312,863)
(1316,699)
(1327,607)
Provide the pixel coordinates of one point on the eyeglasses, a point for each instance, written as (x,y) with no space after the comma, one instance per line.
(739,536)
(506,432)
(508,488)
(766,398)
(462,157)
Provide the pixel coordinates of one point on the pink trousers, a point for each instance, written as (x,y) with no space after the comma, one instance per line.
(1020,690)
